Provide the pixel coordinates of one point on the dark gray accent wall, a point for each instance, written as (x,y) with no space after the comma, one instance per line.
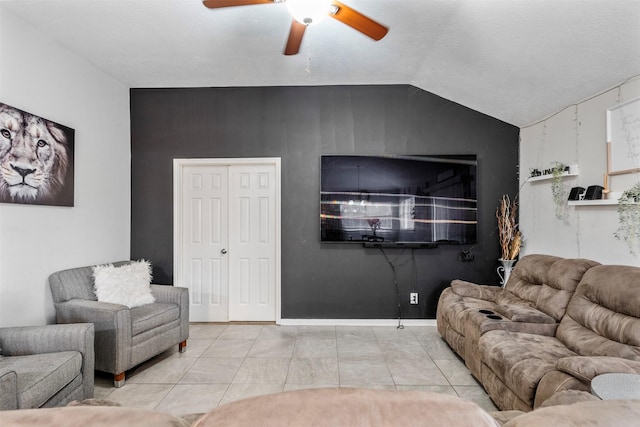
(299,124)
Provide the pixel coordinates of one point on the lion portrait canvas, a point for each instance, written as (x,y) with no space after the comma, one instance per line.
(36,159)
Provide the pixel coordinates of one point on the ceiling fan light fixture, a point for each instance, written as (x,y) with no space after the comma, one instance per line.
(308,12)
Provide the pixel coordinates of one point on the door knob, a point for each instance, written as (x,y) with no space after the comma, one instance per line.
(224,251)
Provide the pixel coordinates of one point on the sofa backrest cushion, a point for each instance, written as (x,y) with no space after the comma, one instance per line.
(523,286)
(563,278)
(603,316)
(544,282)
(75,283)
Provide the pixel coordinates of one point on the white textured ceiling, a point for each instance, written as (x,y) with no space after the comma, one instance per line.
(515,60)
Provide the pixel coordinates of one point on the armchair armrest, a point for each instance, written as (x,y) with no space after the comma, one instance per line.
(585,368)
(175,295)
(8,389)
(170,294)
(472,290)
(113,333)
(20,341)
(81,310)
(521,313)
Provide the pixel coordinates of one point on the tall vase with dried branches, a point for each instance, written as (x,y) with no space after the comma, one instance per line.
(509,235)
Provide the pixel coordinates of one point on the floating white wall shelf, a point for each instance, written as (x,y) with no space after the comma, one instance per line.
(599,202)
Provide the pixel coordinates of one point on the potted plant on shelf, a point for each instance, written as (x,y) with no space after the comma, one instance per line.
(629,218)
(509,235)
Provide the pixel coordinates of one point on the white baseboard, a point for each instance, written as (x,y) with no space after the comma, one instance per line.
(356,322)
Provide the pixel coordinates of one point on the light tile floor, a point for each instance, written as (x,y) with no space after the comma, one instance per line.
(224,363)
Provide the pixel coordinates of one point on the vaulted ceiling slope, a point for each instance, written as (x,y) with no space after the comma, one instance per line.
(515,60)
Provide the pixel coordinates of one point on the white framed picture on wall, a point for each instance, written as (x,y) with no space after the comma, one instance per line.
(623,137)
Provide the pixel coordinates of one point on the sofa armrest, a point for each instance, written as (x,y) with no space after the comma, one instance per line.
(521,313)
(585,368)
(546,329)
(175,295)
(8,390)
(472,290)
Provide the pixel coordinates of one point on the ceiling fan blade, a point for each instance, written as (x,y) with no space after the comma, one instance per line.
(295,38)
(213,4)
(357,21)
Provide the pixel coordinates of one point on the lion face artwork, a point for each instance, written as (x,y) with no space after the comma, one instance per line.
(36,163)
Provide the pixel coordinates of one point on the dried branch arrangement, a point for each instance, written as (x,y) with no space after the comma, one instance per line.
(509,235)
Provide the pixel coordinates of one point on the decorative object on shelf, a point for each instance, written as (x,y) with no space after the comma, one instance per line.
(534,172)
(629,218)
(559,192)
(509,235)
(576,193)
(504,271)
(594,192)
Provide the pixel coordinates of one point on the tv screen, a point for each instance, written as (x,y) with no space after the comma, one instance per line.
(415,201)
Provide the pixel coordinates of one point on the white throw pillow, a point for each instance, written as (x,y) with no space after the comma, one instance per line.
(127,285)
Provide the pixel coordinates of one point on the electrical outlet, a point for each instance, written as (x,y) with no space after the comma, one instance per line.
(413,298)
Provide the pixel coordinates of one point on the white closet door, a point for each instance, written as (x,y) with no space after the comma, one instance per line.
(252,244)
(205,241)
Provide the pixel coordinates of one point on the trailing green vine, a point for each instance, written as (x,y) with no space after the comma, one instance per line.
(629,218)
(558,190)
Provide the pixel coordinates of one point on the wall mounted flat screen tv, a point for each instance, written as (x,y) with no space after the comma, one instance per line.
(412,201)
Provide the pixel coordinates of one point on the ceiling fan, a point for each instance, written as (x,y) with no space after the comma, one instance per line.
(306,12)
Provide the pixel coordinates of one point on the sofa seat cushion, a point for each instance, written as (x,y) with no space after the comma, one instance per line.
(586,368)
(592,413)
(520,360)
(41,376)
(147,317)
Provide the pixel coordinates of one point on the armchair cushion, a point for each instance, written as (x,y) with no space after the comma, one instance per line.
(586,368)
(151,316)
(127,285)
(40,375)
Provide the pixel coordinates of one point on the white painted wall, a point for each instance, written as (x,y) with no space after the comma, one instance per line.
(41,77)
(576,135)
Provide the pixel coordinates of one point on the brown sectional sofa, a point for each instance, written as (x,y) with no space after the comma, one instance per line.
(521,364)
(533,300)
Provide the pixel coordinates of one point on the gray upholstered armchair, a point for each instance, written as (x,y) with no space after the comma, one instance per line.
(124,337)
(45,366)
